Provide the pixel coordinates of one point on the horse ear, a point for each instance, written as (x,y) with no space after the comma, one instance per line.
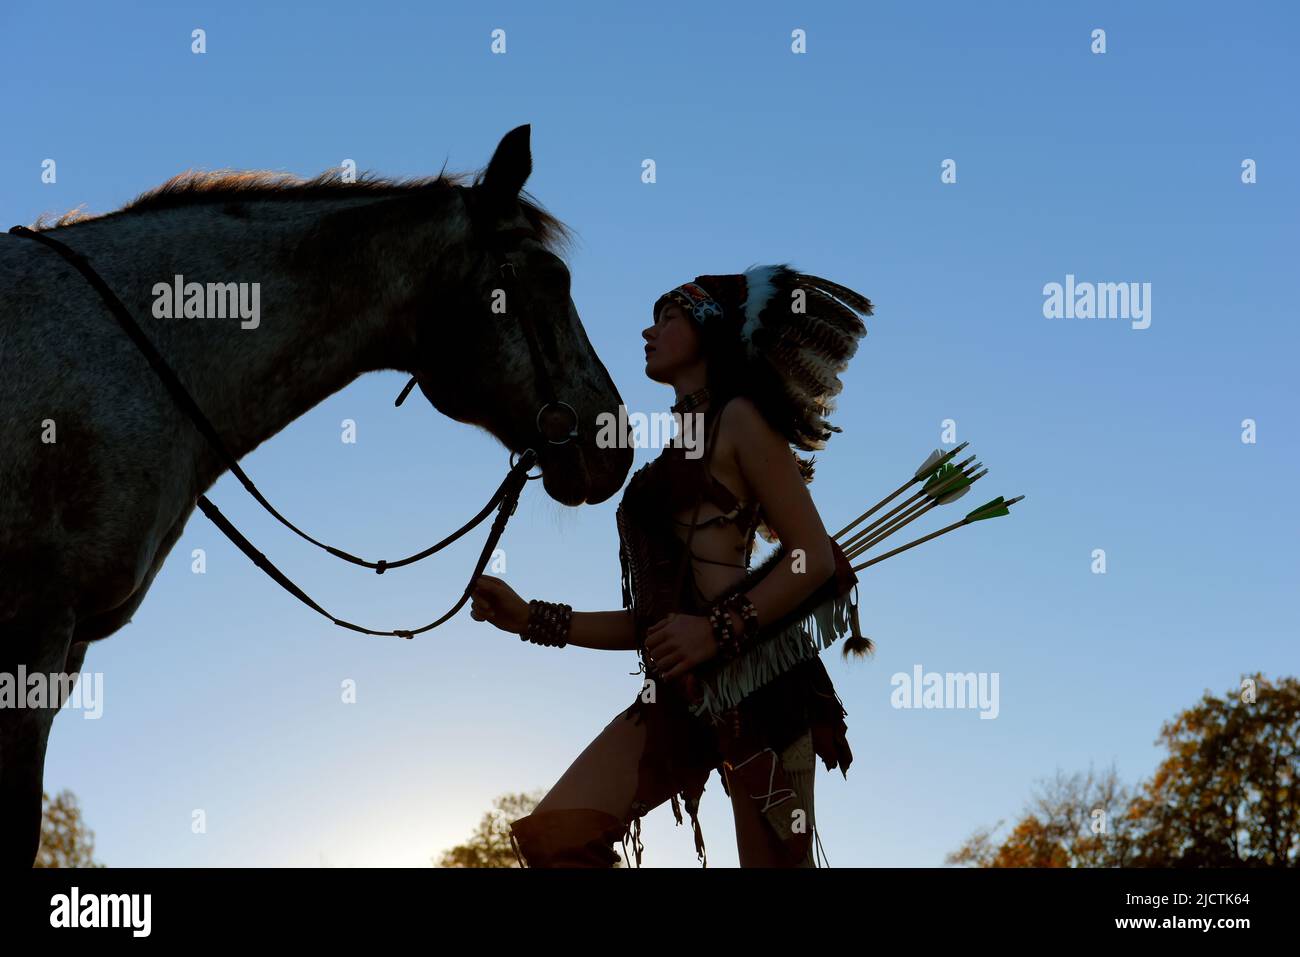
(511,165)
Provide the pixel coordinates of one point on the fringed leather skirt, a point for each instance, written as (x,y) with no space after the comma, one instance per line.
(758,742)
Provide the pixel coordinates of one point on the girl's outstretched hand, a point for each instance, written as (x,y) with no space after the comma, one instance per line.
(495,602)
(677,643)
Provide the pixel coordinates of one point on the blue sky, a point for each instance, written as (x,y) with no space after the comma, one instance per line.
(223,693)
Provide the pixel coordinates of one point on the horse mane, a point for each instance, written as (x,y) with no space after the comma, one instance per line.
(202,186)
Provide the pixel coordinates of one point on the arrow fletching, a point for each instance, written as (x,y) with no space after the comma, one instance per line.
(947,484)
(994,509)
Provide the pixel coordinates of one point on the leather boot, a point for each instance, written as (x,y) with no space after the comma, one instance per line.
(570,837)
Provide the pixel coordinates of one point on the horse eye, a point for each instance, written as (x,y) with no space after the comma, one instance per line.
(552,272)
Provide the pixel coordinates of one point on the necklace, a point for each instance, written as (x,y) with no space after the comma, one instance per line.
(691,400)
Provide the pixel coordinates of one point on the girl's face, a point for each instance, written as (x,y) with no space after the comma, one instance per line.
(672,344)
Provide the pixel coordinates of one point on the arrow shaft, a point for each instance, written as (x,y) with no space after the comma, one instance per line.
(867,514)
(943,531)
(905,519)
(853,541)
(929,498)
(939,463)
(913,544)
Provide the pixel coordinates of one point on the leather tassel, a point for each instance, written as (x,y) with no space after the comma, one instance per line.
(626,579)
(699,842)
(857,644)
(693,809)
(637,846)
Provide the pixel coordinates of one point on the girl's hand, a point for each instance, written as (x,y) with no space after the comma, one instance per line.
(493,601)
(677,643)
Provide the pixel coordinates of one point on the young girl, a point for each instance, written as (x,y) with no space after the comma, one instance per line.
(757,357)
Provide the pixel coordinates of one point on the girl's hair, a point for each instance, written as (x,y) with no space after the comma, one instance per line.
(728,374)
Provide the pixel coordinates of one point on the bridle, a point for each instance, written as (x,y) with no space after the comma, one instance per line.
(496,243)
(505,499)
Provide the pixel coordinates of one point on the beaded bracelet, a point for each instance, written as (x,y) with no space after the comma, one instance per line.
(720,621)
(748,614)
(548,623)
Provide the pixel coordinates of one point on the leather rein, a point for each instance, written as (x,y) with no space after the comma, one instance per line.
(505,499)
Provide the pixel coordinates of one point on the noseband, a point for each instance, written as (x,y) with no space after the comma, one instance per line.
(505,499)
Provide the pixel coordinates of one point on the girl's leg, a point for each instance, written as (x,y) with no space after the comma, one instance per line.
(604,775)
(594,801)
(756,843)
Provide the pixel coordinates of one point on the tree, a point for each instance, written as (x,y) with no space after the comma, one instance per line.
(489,846)
(1073,821)
(65,840)
(1225,796)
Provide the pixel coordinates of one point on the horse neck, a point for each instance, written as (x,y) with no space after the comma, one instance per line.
(331,306)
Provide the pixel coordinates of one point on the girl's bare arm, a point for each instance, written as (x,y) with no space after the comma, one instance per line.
(496,602)
(603,630)
(764,458)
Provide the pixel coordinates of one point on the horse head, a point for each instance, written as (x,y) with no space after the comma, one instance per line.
(508,351)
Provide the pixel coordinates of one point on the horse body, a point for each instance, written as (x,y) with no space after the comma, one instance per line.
(100,469)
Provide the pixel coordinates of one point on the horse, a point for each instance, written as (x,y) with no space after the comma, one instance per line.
(100,469)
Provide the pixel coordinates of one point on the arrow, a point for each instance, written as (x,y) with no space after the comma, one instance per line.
(994,509)
(941,490)
(931,463)
(936,485)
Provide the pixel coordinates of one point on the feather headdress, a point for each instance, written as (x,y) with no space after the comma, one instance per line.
(795,332)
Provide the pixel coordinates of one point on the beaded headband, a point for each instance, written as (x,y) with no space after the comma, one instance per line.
(696,300)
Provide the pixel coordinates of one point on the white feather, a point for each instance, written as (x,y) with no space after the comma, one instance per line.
(758,293)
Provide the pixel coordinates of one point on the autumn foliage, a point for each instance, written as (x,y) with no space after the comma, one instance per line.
(1225,795)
